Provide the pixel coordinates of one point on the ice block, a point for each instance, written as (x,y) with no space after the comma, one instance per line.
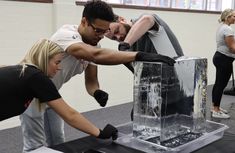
(169,101)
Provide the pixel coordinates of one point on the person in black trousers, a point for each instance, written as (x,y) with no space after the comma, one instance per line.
(223,60)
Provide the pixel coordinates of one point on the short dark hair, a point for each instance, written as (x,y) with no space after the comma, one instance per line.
(97,9)
(116,17)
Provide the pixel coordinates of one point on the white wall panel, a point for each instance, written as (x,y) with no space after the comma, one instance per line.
(23,23)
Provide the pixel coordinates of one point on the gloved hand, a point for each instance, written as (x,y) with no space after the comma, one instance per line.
(151,57)
(123,46)
(132,114)
(108,132)
(101,97)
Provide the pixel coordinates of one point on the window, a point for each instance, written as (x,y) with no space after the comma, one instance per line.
(209,5)
(39,1)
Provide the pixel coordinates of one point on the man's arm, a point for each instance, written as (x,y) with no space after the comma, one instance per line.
(92,85)
(100,55)
(140,27)
(111,57)
(91,79)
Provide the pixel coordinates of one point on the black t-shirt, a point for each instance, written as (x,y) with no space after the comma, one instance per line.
(17,91)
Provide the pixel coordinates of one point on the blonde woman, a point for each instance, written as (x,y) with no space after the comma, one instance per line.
(223,60)
(31,79)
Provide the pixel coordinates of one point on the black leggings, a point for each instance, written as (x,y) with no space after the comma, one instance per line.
(224,67)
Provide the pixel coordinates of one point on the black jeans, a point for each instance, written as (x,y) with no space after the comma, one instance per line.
(224,67)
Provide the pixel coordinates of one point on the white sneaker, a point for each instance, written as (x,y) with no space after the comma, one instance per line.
(221,109)
(219,114)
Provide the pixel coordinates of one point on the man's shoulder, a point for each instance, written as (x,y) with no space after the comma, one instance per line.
(67,28)
(147,14)
(133,20)
(66,35)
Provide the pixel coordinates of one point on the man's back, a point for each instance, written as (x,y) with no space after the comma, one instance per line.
(161,41)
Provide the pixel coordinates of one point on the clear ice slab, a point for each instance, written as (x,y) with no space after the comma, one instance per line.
(169,101)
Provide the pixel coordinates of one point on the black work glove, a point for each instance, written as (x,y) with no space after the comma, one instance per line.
(124,46)
(108,132)
(130,67)
(151,57)
(132,114)
(101,97)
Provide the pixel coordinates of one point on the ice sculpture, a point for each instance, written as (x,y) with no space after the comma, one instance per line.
(170,101)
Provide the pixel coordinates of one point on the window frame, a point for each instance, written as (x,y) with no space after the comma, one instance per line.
(126,6)
(36,1)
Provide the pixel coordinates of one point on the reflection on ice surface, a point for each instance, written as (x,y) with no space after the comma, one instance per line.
(169,101)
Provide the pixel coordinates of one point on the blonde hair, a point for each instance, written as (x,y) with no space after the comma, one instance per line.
(39,55)
(225,14)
